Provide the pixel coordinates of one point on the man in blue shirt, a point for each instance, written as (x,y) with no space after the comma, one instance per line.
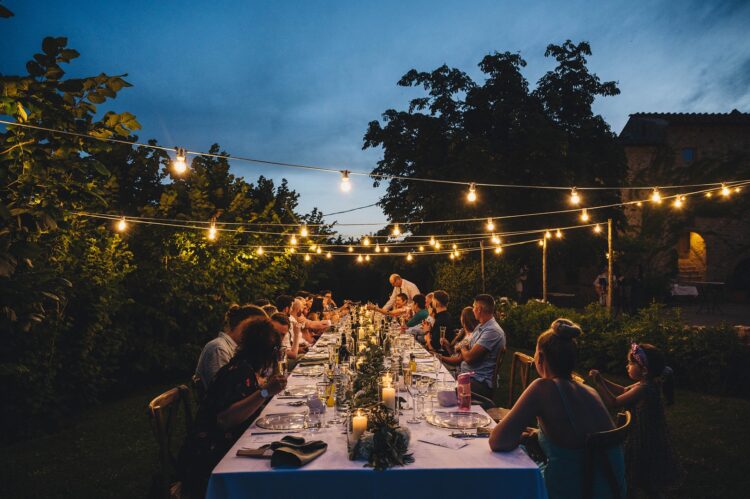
(486,343)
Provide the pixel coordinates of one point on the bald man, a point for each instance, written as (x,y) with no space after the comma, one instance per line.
(400,285)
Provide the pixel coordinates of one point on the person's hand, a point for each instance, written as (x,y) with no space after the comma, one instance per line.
(275,384)
(444,343)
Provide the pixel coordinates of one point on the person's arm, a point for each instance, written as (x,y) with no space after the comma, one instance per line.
(293,351)
(507,434)
(416,319)
(623,396)
(474,354)
(391,301)
(237,413)
(453,360)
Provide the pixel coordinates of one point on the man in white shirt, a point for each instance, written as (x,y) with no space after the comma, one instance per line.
(400,285)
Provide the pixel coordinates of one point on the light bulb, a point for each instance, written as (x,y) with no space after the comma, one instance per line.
(421,248)
(212,234)
(122,225)
(312,247)
(303,231)
(498,250)
(366,241)
(455,252)
(345,184)
(386,250)
(396,231)
(318,250)
(328,255)
(452,256)
(725,191)
(179,164)
(472,195)
(293,240)
(597,228)
(260,250)
(307,257)
(291,250)
(548,235)
(708,194)
(377,248)
(454,246)
(575,198)
(639,204)
(350,249)
(558,234)
(409,257)
(432,241)
(584,215)
(656,195)
(495,239)
(737,189)
(490,225)
(677,203)
(541,242)
(437,245)
(360,259)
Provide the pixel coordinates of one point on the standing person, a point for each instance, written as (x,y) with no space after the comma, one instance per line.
(651,462)
(566,412)
(221,349)
(487,340)
(400,285)
(523,276)
(443,319)
(600,286)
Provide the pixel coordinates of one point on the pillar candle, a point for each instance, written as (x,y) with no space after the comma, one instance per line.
(359,424)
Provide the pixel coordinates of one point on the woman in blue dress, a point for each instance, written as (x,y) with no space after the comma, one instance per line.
(566,412)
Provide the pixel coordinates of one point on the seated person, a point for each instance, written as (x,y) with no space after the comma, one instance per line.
(479,355)
(443,319)
(468,325)
(414,324)
(328,304)
(400,307)
(231,403)
(566,412)
(290,337)
(218,351)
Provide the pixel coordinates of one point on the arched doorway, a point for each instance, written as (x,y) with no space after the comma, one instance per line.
(691,257)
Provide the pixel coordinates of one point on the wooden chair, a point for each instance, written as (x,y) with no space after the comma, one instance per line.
(164,413)
(595,456)
(521,369)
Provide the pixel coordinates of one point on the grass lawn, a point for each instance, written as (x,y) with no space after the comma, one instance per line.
(111,451)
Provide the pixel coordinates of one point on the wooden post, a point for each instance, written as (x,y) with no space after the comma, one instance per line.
(481,260)
(610,258)
(544,268)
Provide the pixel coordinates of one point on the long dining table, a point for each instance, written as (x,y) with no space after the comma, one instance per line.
(473,471)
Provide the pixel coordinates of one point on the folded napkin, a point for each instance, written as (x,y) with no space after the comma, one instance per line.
(289,452)
(442,440)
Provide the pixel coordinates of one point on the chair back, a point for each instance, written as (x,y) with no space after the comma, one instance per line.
(595,456)
(578,378)
(163,414)
(521,369)
(498,366)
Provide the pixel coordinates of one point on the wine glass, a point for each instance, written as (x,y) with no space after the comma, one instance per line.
(412,389)
(423,384)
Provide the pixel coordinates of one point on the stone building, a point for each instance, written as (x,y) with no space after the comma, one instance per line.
(715,244)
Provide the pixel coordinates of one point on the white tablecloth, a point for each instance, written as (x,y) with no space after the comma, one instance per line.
(437,472)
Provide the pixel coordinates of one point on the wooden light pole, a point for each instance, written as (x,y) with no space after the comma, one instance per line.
(544,267)
(481,262)
(610,284)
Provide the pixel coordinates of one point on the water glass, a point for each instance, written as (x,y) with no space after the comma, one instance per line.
(442,332)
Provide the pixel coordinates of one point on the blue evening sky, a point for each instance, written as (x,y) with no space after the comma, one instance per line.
(299,81)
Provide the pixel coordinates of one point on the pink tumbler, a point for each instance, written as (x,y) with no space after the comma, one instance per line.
(463,391)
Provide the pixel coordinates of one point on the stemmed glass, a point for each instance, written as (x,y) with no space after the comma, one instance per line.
(412,389)
(423,384)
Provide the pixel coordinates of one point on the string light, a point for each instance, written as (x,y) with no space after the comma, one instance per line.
(709,194)
(495,239)
(345,184)
(737,189)
(548,235)
(409,258)
(456,252)
(291,250)
(725,191)
(318,250)
(122,225)
(350,249)
(360,259)
(498,250)
(541,242)
(584,215)
(597,228)
(293,240)
(421,248)
(367,258)
(575,198)
(307,257)
(259,251)
(328,255)
(396,231)
(490,225)
(303,231)
(472,195)
(312,247)
(179,164)
(437,245)
(656,195)
(212,233)
(377,248)
(455,246)
(558,234)
(432,241)
(366,241)
(677,203)
(452,256)
(639,204)
(386,250)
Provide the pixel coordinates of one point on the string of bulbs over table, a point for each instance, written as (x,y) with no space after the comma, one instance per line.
(437,244)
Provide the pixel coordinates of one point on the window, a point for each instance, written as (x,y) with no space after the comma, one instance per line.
(688,154)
